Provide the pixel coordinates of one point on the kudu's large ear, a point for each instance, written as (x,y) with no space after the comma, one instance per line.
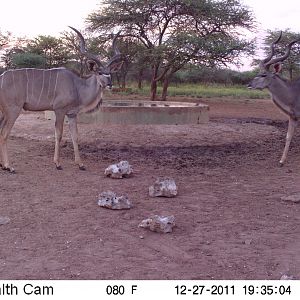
(92,66)
(277,67)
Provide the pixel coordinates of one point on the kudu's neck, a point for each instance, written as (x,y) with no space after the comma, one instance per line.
(282,95)
(90,90)
(90,93)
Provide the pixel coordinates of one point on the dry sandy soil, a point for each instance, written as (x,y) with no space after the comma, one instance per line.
(230,220)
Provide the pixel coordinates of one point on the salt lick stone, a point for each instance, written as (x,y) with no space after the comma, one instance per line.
(161,224)
(287,277)
(163,187)
(4,220)
(292,198)
(110,200)
(119,170)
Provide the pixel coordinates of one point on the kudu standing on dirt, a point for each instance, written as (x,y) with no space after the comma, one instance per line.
(285,94)
(58,90)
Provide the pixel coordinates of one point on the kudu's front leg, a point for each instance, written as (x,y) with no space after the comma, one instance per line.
(59,127)
(74,134)
(7,121)
(291,130)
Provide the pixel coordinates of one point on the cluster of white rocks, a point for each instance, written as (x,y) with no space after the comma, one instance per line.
(162,187)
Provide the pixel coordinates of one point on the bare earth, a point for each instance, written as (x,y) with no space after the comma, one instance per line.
(231,221)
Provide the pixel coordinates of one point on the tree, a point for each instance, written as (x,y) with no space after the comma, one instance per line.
(76,61)
(176,32)
(292,64)
(4,39)
(51,48)
(14,45)
(27,60)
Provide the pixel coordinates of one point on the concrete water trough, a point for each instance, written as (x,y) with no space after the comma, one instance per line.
(125,112)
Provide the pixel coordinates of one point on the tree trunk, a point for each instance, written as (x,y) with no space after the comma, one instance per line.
(123,84)
(118,79)
(291,73)
(153,90)
(140,78)
(154,83)
(165,88)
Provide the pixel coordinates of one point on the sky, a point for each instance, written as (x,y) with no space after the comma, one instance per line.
(30,18)
(272,14)
(39,17)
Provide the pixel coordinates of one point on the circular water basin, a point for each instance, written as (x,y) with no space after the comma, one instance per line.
(145,112)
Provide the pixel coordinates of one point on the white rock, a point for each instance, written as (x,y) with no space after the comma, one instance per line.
(110,200)
(248,242)
(162,224)
(119,170)
(163,187)
(4,220)
(287,277)
(292,198)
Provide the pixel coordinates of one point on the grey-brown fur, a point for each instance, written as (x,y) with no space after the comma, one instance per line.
(285,94)
(59,90)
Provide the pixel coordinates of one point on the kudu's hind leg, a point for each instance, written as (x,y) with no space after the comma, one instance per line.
(291,130)
(6,123)
(59,126)
(74,134)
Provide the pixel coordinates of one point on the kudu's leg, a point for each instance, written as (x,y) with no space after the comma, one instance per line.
(7,121)
(59,126)
(291,130)
(74,134)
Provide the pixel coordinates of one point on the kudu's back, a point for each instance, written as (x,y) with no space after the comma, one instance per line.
(37,89)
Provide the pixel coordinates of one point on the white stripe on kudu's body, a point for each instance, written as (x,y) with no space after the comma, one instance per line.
(59,90)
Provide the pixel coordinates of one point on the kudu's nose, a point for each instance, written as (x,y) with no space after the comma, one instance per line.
(109,82)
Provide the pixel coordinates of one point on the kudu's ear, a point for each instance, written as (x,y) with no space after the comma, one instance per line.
(277,68)
(115,66)
(92,66)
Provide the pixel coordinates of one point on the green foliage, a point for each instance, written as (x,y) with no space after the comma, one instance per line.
(174,33)
(41,52)
(206,91)
(27,60)
(215,91)
(193,74)
(52,49)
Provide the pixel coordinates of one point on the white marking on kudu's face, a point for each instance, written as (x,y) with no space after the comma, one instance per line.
(105,80)
(261,81)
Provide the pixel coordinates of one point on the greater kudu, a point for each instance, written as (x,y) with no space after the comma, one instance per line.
(285,94)
(59,90)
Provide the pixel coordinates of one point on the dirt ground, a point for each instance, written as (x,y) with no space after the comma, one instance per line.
(231,222)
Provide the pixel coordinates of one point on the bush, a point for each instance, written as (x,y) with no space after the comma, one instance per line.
(28,60)
(212,75)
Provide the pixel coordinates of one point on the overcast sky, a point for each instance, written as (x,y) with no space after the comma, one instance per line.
(272,14)
(33,17)
(39,17)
